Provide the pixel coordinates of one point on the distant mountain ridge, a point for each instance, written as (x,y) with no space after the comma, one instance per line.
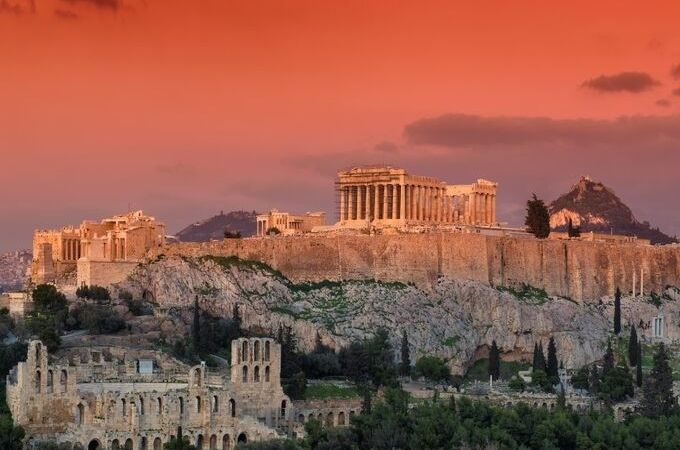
(595,207)
(214,227)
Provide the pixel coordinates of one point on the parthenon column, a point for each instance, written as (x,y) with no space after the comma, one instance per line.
(493,209)
(402,201)
(384,202)
(360,202)
(473,208)
(350,203)
(342,204)
(367,203)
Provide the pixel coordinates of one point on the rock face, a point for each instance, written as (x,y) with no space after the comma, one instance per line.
(14,269)
(594,207)
(581,270)
(455,319)
(214,227)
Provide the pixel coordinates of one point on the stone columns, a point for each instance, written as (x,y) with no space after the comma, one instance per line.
(342,204)
(360,202)
(367,201)
(473,208)
(376,202)
(384,214)
(350,203)
(493,209)
(402,201)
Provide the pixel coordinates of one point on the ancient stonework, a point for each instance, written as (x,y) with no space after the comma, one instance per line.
(583,271)
(95,400)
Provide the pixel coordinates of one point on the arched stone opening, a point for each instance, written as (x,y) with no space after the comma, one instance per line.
(38,381)
(341,418)
(267,350)
(141,406)
(198,404)
(283,408)
(244,377)
(157,444)
(226,442)
(213,442)
(159,406)
(266,374)
(80,414)
(143,443)
(256,374)
(330,419)
(181,406)
(232,407)
(199,442)
(244,351)
(115,444)
(215,404)
(128,444)
(63,380)
(94,445)
(49,381)
(256,351)
(242,438)
(301,418)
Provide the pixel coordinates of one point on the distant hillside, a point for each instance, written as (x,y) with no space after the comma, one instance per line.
(13,269)
(214,227)
(595,207)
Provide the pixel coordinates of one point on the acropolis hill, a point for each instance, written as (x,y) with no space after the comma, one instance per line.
(580,270)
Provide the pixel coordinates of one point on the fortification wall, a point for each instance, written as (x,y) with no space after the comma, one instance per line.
(576,269)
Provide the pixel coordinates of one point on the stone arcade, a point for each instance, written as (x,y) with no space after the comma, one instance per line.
(105,403)
(391,196)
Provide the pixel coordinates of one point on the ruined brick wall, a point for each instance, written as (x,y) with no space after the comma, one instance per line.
(103,273)
(575,269)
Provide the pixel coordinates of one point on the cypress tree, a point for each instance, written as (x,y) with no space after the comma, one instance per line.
(633,346)
(537,218)
(552,365)
(236,317)
(534,361)
(541,357)
(617,311)
(638,368)
(657,392)
(594,380)
(405,367)
(494,362)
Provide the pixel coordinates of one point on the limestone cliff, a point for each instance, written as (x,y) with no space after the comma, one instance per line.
(455,319)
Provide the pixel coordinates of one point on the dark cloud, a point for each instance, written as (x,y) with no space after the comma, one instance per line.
(663,103)
(65,14)
(634,82)
(386,147)
(113,5)
(675,72)
(464,130)
(676,91)
(17,7)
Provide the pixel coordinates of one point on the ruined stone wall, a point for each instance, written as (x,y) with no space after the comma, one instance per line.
(103,273)
(574,269)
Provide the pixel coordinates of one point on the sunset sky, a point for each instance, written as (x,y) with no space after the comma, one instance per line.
(186,108)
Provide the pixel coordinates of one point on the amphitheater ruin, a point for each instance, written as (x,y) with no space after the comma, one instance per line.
(114,398)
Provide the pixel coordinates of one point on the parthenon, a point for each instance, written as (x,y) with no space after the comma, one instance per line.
(391,196)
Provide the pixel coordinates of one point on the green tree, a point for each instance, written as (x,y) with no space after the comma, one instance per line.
(638,367)
(537,218)
(179,443)
(432,368)
(552,366)
(517,384)
(633,347)
(608,360)
(10,436)
(616,385)
(572,231)
(540,380)
(539,358)
(657,392)
(494,362)
(297,386)
(580,379)
(617,311)
(405,367)
(48,300)
(594,380)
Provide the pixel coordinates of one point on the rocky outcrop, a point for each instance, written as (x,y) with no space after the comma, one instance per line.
(455,319)
(592,206)
(581,270)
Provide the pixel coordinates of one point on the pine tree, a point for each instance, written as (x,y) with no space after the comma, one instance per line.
(617,311)
(494,361)
(633,347)
(405,367)
(537,218)
(657,392)
(608,360)
(638,368)
(552,365)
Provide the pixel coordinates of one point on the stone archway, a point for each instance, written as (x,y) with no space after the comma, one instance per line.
(242,439)
(94,445)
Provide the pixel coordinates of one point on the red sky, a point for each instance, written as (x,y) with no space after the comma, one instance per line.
(186,108)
